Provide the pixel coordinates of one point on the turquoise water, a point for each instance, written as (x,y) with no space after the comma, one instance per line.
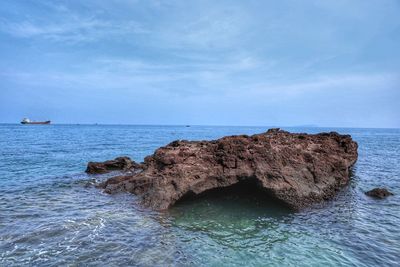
(51,215)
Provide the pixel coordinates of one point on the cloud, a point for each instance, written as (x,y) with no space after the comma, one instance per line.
(230,64)
(215,78)
(71,28)
(356,82)
(203,27)
(134,74)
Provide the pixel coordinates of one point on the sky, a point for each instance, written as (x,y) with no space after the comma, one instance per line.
(331,63)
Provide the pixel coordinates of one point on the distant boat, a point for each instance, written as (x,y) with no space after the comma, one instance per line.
(28,121)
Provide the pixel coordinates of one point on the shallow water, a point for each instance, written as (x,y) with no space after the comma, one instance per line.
(51,215)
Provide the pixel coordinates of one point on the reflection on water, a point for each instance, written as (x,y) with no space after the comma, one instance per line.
(241,208)
(50,214)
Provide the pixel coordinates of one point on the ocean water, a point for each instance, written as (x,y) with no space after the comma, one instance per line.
(52,215)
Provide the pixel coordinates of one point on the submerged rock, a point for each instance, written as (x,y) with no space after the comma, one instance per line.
(379,193)
(117,164)
(297,169)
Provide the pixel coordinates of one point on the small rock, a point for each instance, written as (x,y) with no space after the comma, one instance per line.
(117,164)
(379,193)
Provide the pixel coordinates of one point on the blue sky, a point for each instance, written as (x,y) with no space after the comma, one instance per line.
(287,63)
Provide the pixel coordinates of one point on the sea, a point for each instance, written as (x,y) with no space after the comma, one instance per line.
(51,214)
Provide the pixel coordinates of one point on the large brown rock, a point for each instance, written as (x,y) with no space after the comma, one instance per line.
(297,169)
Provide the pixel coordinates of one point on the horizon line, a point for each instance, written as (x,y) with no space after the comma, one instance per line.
(205,125)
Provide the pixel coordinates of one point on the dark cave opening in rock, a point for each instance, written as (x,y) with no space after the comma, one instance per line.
(245,192)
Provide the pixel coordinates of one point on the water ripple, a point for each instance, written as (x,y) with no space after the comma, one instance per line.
(51,215)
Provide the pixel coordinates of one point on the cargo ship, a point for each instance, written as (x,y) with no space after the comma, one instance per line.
(28,121)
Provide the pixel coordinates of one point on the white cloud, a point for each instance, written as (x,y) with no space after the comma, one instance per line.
(203,28)
(218,79)
(227,65)
(361,83)
(71,28)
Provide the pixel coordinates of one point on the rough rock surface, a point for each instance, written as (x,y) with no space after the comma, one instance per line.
(379,193)
(117,164)
(297,169)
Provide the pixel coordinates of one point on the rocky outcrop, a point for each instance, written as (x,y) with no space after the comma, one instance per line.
(117,164)
(297,169)
(380,193)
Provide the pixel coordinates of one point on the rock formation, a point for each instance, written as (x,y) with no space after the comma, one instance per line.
(117,164)
(379,193)
(297,169)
